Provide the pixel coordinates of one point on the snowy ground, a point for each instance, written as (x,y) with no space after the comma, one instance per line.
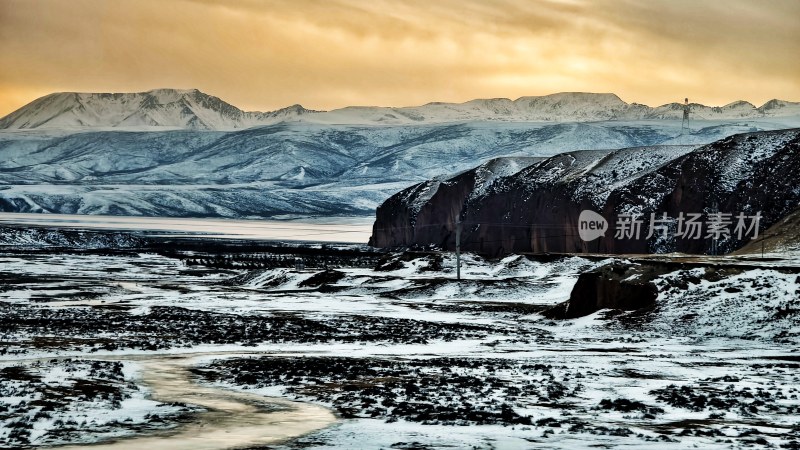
(77,401)
(410,358)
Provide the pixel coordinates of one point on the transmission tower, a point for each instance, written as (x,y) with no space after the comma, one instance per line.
(685,121)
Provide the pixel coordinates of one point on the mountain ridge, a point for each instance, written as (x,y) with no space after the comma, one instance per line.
(537,209)
(194,109)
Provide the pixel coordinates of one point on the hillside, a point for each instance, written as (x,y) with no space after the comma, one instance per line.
(286,169)
(185,153)
(782,237)
(537,209)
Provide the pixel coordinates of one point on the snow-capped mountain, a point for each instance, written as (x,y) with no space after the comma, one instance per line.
(561,107)
(173,108)
(192,109)
(185,153)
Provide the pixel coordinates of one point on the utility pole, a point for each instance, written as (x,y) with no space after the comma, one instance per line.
(714,240)
(763,241)
(458,248)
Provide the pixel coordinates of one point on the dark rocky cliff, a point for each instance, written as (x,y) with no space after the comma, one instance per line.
(536,209)
(426,213)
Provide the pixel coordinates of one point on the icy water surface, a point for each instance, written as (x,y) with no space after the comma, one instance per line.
(331,229)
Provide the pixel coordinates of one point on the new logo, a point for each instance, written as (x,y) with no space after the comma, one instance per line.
(591,225)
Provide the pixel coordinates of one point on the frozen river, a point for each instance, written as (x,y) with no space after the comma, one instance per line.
(329,229)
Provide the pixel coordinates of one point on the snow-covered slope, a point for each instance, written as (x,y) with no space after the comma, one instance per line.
(192,109)
(187,109)
(561,107)
(299,154)
(290,168)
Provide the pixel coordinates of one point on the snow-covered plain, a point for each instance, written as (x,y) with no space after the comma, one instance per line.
(409,357)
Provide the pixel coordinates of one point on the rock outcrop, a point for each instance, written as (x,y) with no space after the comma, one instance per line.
(536,209)
(656,289)
(618,285)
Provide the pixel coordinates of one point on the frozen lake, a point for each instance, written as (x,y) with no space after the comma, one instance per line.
(329,229)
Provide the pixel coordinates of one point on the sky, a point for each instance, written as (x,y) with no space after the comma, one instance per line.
(266,54)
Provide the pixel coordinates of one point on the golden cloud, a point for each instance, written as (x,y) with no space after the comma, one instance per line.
(264,55)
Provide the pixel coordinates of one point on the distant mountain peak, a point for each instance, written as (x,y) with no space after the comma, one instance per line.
(296,109)
(164,107)
(580,95)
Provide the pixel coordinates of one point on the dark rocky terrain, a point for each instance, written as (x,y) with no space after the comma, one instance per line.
(526,350)
(17,236)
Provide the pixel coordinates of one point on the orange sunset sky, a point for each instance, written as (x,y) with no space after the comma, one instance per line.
(267,54)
